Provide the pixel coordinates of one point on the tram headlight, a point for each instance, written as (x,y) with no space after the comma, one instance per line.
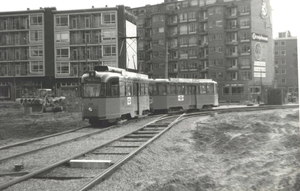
(90,109)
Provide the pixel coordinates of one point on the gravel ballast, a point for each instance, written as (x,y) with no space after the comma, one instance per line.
(253,151)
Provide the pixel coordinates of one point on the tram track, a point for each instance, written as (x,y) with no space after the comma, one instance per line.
(36,170)
(46,143)
(135,141)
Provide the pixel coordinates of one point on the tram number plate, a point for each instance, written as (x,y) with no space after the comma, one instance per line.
(128,100)
(180,97)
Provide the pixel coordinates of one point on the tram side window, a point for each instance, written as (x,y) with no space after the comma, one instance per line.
(103,90)
(146,89)
(135,92)
(203,89)
(172,89)
(210,88)
(114,90)
(192,89)
(181,89)
(128,89)
(122,88)
(142,89)
(150,89)
(153,89)
(162,90)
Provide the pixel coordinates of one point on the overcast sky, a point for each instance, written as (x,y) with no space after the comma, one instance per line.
(286,13)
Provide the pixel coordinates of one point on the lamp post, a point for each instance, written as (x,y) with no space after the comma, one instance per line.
(14,69)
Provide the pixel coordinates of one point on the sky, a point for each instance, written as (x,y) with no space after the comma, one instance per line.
(286,13)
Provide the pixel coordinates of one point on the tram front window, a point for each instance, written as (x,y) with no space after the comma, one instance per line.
(94,90)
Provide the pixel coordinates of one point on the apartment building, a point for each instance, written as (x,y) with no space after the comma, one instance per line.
(286,63)
(51,48)
(23,57)
(229,41)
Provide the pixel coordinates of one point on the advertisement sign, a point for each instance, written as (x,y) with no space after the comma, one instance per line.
(259,74)
(259,69)
(260,37)
(258,63)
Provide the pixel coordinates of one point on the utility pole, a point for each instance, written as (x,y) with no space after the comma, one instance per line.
(167,55)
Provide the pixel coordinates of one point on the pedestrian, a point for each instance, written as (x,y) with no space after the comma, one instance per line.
(258,98)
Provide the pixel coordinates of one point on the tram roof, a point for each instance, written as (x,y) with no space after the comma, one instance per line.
(185,80)
(105,76)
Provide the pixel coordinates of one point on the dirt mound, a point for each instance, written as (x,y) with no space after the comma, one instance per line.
(256,152)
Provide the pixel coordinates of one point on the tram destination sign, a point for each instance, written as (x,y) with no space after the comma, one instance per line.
(92,79)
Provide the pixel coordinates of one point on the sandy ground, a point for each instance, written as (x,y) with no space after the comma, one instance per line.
(15,125)
(231,152)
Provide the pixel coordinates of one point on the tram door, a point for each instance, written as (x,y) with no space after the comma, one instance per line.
(193,100)
(137,94)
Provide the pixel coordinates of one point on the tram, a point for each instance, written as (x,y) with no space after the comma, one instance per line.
(110,94)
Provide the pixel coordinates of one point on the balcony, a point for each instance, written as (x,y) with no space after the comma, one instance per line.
(230,28)
(203,19)
(231,42)
(232,54)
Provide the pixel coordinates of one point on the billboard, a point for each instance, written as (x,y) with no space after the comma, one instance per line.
(131,46)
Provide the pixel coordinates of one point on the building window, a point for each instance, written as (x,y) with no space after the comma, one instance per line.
(63,68)
(62,20)
(193,28)
(276,52)
(226,89)
(245,23)
(183,41)
(36,35)
(36,67)
(109,35)
(36,51)
(283,52)
(283,62)
(161,30)
(172,19)
(245,35)
(62,52)
(283,71)
(36,20)
(282,43)
(183,54)
(183,29)
(192,16)
(182,17)
(109,18)
(276,71)
(245,9)
(283,80)
(246,75)
(62,36)
(110,63)
(109,50)
(232,76)
(245,63)
(276,43)
(219,23)
(232,11)
(193,41)
(192,53)
(237,89)
(245,49)
(210,2)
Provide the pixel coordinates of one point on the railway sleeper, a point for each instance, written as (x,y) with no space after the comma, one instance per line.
(139,136)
